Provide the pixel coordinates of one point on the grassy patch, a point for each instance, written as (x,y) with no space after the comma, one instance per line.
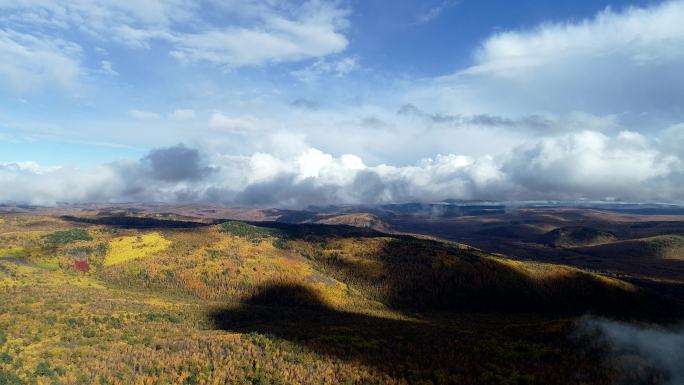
(13,252)
(48,263)
(134,247)
(67,236)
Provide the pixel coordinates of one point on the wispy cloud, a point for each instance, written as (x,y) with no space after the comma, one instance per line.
(143,115)
(107,68)
(182,114)
(243,123)
(270,33)
(435,12)
(322,68)
(31,62)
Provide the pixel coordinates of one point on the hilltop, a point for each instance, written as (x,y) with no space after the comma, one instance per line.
(577,236)
(670,246)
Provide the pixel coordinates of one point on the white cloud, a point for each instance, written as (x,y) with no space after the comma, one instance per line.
(336,68)
(276,39)
(97,18)
(639,36)
(591,164)
(107,69)
(34,62)
(48,187)
(672,139)
(182,114)
(227,123)
(625,62)
(268,32)
(22,167)
(584,165)
(264,167)
(143,115)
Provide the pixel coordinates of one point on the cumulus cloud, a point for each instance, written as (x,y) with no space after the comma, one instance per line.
(165,175)
(575,166)
(641,353)
(641,36)
(624,61)
(175,164)
(41,186)
(591,164)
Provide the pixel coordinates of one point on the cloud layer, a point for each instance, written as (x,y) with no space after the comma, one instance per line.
(573,166)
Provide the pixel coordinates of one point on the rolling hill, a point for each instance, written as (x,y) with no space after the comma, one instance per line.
(114,299)
(577,236)
(668,246)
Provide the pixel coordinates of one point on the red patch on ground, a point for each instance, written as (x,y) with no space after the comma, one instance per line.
(81,266)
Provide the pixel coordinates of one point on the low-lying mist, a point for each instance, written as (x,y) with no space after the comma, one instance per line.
(641,353)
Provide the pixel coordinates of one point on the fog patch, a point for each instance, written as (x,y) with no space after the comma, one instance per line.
(642,354)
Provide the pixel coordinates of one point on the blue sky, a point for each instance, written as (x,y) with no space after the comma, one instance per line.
(394,39)
(434,99)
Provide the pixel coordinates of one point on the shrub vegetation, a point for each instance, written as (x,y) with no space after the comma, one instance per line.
(241,304)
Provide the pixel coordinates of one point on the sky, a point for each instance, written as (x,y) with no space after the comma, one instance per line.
(297,103)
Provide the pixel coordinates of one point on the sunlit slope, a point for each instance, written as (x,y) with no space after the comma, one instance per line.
(348,266)
(62,327)
(353,267)
(357,219)
(658,247)
(125,249)
(577,236)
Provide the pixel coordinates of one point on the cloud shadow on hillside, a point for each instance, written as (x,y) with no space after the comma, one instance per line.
(480,320)
(468,348)
(131,222)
